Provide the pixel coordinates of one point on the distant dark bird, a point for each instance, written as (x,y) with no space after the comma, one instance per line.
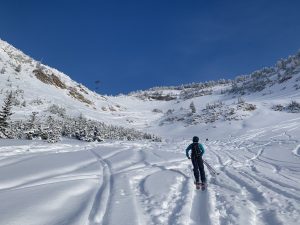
(97,82)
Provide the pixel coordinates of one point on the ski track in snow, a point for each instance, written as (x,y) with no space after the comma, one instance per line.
(264,195)
(296,151)
(152,183)
(102,198)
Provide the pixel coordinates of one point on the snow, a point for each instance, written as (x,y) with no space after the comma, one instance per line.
(151,183)
(142,182)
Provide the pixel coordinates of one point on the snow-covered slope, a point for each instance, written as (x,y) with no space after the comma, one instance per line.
(138,183)
(38,86)
(253,142)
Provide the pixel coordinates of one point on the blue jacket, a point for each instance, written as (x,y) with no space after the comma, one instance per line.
(190,148)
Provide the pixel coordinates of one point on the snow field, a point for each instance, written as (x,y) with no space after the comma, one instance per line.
(152,183)
(262,188)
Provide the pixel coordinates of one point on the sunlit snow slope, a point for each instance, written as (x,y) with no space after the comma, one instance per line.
(257,153)
(151,183)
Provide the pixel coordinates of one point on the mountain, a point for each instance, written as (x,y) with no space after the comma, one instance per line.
(249,127)
(257,96)
(38,86)
(48,103)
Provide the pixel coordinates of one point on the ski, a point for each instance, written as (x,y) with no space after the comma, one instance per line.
(201,186)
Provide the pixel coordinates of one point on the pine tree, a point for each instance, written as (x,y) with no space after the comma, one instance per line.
(5,114)
(192,107)
(32,129)
(53,131)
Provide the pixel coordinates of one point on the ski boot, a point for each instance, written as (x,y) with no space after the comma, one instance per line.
(198,185)
(203,186)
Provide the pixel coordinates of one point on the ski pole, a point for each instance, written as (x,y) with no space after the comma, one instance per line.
(212,171)
(210,168)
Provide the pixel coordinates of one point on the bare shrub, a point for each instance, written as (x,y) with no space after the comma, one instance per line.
(18,68)
(293,107)
(55,109)
(278,107)
(157,111)
(249,107)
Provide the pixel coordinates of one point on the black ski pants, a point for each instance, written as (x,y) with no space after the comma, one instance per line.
(198,169)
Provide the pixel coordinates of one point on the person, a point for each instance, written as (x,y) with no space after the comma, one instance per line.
(197,161)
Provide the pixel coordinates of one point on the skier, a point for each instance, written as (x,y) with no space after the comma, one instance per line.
(196,156)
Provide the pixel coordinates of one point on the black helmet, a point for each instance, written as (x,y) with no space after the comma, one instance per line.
(195,139)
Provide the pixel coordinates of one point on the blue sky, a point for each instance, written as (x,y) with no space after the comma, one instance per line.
(133,45)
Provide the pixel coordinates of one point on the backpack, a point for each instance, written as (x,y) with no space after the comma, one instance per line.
(196,150)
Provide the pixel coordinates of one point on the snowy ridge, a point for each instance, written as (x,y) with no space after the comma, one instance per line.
(281,84)
(38,86)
